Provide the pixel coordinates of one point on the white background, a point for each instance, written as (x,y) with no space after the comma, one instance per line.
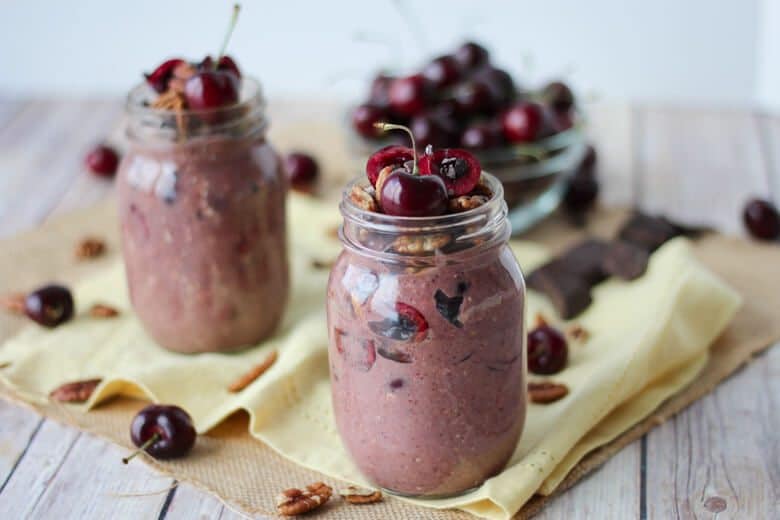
(703,52)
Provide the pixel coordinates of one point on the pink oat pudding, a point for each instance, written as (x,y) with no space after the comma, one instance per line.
(202,211)
(425,319)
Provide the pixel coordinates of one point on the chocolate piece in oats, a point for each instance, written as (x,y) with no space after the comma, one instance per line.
(293,502)
(625,260)
(90,247)
(75,392)
(546,392)
(568,293)
(647,232)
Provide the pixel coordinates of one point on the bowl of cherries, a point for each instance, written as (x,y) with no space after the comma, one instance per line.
(531,140)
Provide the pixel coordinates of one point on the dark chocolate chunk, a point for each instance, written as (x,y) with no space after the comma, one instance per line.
(394,354)
(569,293)
(584,260)
(625,260)
(395,384)
(647,232)
(449,307)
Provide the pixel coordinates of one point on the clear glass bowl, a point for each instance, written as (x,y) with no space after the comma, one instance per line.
(534,176)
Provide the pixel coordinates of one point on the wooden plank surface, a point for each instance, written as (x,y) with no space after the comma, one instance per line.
(720,457)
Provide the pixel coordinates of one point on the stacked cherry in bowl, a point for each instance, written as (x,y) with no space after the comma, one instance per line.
(530,139)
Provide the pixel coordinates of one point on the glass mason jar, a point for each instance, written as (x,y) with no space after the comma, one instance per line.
(427,346)
(202,212)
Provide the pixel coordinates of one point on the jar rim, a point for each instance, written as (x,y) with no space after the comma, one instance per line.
(478,228)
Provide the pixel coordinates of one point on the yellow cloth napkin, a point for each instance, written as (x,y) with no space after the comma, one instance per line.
(648,339)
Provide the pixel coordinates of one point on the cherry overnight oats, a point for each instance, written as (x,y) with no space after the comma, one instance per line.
(427,357)
(201,205)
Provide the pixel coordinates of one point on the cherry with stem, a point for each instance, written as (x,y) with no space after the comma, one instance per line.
(386,127)
(154,438)
(228,34)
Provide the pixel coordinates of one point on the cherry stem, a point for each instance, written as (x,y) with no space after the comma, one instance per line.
(231,26)
(154,438)
(386,127)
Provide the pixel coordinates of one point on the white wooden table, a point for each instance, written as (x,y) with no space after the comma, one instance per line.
(720,457)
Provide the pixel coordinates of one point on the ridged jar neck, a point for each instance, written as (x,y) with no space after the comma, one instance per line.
(146,124)
(450,237)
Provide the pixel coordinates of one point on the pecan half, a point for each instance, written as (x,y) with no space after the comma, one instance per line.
(101,310)
(467,202)
(578,333)
(90,247)
(258,370)
(13,302)
(75,392)
(293,502)
(170,100)
(415,245)
(546,392)
(356,495)
(364,198)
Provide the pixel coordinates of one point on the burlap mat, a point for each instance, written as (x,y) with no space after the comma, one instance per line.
(242,471)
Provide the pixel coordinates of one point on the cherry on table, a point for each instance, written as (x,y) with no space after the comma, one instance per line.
(470,55)
(409,96)
(211,89)
(442,72)
(302,170)
(406,194)
(547,351)
(459,169)
(162,431)
(102,161)
(762,219)
(49,305)
(159,77)
(524,122)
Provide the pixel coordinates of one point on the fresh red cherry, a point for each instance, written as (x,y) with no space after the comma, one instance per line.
(547,351)
(162,431)
(502,88)
(226,64)
(558,96)
(364,117)
(442,72)
(431,129)
(473,98)
(50,305)
(482,136)
(470,55)
(102,161)
(379,94)
(524,122)
(302,171)
(211,89)
(159,78)
(408,96)
(405,194)
(762,219)
(392,155)
(459,169)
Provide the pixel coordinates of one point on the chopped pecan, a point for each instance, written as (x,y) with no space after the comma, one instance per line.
(364,197)
(101,310)
(293,502)
(415,245)
(381,178)
(540,320)
(256,371)
(170,100)
(333,232)
(578,333)
(13,302)
(467,202)
(482,188)
(546,391)
(356,495)
(90,247)
(75,392)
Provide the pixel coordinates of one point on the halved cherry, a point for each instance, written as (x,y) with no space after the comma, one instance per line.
(226,64)
(459,169)
(392,155)
(408,324)
(159,78)
(412,319)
